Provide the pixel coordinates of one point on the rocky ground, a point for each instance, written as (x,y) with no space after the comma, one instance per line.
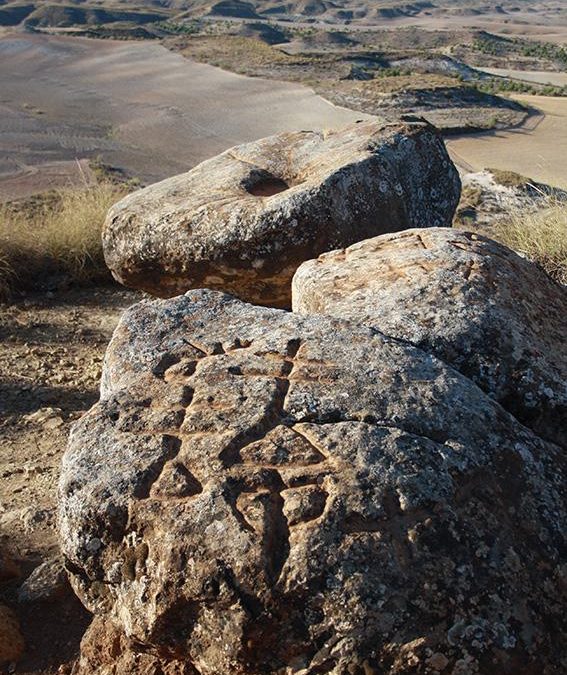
(220,504)
(51,349)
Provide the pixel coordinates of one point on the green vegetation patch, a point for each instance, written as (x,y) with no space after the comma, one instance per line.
(494,45)
(495,85)
(12,15)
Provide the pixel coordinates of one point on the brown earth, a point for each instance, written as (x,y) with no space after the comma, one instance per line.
(144,108)
(51,349)
(29,180)
(536,149)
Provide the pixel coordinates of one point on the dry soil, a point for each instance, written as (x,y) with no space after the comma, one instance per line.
(536,149)
(149,110)
(51,349)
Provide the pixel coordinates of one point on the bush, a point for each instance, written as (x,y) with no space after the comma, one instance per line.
(540,235)
(58,235)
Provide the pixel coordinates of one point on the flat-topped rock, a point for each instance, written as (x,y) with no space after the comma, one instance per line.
(243,221)
(494,316)
(263,492)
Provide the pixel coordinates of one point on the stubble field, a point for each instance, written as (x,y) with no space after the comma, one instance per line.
(144,108)
(537,149)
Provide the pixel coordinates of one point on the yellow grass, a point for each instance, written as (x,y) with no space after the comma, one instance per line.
(56,236)
(540,235)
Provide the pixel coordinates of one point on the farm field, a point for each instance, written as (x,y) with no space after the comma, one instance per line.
(538,76)
(148,110)
(537,149)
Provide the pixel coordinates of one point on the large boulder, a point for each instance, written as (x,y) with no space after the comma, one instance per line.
(262,492)
(494,316)
(243,221)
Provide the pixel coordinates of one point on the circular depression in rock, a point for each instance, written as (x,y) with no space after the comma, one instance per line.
(265,184)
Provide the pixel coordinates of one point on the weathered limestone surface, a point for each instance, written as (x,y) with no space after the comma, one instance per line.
(243,221)
(494,316)
(262,492)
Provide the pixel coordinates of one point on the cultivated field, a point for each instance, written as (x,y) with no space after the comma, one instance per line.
(523,23)
(143,107)
(538,149)
(537,76)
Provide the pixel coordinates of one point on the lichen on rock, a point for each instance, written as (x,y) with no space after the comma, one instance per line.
(263,492)
(242,222)
(491,314)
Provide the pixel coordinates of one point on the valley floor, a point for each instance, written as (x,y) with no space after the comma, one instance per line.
(155,113)
(147,109)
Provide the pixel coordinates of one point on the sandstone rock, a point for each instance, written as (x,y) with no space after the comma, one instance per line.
(262,492)
(494,316)
(243,221)
(105,650)
(11,640)
(46,583)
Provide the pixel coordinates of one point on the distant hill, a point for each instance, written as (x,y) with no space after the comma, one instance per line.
(43,13)
(264,32)
(46,13)
(72,15)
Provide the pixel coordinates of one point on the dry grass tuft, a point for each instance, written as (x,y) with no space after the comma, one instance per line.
(509,178)
(55,236)
(6,276)
(540,235)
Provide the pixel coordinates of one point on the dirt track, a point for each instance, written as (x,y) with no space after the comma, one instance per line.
(141,106)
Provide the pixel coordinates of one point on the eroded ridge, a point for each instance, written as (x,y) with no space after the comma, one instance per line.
(308,492)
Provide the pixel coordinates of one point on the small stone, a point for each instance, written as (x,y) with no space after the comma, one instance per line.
(54,423)
(48,417)
(438,661)
(47,582)
(94,545)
